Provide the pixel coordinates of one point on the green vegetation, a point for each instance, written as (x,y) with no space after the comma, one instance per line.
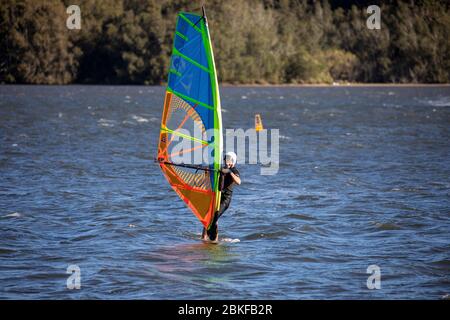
(255,41)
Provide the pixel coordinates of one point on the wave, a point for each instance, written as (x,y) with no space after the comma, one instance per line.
(387,226)
(106,123)
(229,240)
(299,216)
(443,102)
(445,263)
(307,197)
(13,215)
(4,251)
(139,119)
(268,235)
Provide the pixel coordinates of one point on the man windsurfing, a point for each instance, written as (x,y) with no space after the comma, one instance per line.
(228,178)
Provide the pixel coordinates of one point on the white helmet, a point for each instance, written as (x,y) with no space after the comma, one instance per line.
(231,156)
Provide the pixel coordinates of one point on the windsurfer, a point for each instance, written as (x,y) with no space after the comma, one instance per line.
(228,178)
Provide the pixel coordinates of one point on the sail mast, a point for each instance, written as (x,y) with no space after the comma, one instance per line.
(203,12)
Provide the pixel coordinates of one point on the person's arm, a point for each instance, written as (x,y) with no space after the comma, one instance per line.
(235,175)
(236,178)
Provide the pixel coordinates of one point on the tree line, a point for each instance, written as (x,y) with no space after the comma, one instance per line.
(254,41)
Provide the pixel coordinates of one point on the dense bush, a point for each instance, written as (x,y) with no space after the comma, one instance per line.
(255,41)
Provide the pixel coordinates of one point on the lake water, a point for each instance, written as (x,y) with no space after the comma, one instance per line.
(364,179)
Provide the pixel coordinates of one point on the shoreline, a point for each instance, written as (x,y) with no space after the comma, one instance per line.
(346,85)
(230,85)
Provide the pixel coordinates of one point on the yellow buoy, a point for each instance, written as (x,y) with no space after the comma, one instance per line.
(258,122)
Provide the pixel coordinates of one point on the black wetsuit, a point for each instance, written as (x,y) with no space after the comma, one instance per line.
(226,184)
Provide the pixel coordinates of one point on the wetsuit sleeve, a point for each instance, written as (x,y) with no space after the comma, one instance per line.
(235,171)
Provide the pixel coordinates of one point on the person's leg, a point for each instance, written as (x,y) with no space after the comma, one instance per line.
(213,230)
(224,206)
(204,233)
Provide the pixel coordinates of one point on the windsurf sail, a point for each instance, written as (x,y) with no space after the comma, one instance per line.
(190,141)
